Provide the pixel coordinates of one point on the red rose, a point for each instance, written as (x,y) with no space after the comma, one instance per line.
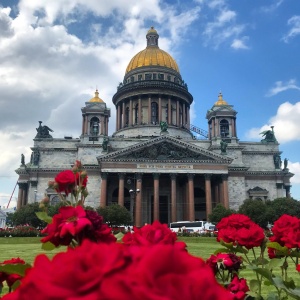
(66,225)
(164,272)
(286,231)
(66,180)
(240,229)
(75,274)
(10,278)
(239,287)
(298,268)
(251,237)
(99,231)
(224,261)
(148,235)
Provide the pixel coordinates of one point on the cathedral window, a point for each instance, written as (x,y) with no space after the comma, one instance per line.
(154,76)
(148,76)
(94,126)
(154,113)
(167,111)
(161,76)
(140,77)
(136,114)
(169,78)
(131,79)
(224,128)
(127,117)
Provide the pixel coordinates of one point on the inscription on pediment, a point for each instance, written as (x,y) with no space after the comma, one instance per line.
(165,151)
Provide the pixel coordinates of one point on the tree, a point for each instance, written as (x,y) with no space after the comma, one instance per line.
(26,215)
(115,215)
(219,212)
(256,210)
(281,206)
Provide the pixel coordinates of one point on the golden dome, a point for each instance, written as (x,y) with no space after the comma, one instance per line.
(96,98)
(221,101)
(152,55)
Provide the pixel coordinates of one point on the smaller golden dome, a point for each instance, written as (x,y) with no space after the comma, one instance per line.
(151,30)
(96,98)
(221,101)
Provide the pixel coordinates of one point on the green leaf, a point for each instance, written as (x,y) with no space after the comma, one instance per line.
(265,273)
(273,296)
(276,246)
(44,217)
(275,262)
(254,285)
(16,284)
(48,246)
(290,283)
(221,250)
(15,268)
(119,236)
(295,253)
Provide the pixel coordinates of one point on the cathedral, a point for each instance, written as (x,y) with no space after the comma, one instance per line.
(156,163)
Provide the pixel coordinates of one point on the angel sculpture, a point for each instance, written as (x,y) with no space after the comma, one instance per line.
(43,132)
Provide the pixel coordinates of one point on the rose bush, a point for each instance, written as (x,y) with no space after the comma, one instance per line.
(150,263)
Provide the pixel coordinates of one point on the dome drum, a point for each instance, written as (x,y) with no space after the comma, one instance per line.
(152,87)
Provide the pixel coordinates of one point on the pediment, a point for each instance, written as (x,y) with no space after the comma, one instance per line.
(167,149)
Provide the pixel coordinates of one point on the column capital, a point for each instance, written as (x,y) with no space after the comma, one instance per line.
(173,176)
(156,175)
(207,176)
(22,185)
(224,176)
(139,176)
(190,176)
(121,175)
(104,175)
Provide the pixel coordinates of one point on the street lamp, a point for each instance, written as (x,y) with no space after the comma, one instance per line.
(133,193)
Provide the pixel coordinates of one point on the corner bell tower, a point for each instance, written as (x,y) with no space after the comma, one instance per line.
(222,122)
(95,117)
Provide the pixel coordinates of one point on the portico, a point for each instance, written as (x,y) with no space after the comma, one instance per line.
(183,186)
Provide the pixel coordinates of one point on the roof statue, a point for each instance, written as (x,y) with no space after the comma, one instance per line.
(43,131)
(269,136)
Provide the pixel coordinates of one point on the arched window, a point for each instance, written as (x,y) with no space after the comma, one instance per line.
(154,113)
(224,128)
(94,126)
(127,116)
(167,112)
(136,114)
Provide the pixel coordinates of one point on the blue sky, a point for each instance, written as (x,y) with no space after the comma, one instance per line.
(54,54)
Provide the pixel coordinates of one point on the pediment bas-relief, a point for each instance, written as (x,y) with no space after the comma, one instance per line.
(164,151)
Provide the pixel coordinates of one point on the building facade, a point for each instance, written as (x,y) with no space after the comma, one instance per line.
(154,163)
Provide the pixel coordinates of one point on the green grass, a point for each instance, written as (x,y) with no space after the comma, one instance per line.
(28,247)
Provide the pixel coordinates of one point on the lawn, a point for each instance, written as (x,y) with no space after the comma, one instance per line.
(28,247)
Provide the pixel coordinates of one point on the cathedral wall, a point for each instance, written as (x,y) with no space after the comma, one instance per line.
(236,191)
(93,187)
(88,155)
(259,162)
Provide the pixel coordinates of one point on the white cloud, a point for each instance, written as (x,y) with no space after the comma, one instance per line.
(294,23)
(272,7)
(285,122)
(281,86)
(47,73)
(240,43)
(295,168)
(224,27)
